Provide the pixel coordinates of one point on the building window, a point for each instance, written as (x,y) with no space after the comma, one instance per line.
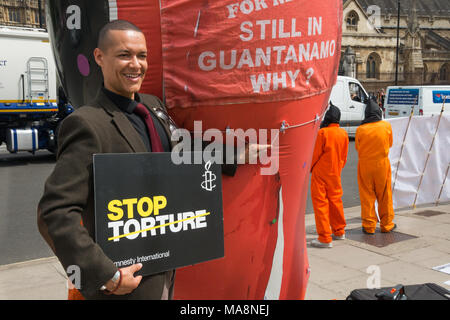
(14,15)
(21,13)
(352,21)
(425,73)
(36,16)
(372,66)
(444,72)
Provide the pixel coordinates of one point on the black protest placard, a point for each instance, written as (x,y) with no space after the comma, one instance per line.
(149,210)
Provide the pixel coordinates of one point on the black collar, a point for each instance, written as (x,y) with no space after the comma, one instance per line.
(123,103)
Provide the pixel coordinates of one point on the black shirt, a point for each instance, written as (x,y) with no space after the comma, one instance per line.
(128,106)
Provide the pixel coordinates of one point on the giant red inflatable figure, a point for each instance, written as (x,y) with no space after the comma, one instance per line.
(267,65)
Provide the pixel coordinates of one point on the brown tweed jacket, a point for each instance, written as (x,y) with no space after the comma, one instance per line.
(66,209)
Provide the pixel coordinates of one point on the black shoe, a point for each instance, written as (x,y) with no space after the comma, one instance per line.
(364,231)
(393,228)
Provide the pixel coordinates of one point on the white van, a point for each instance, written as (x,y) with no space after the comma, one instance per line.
(426,100)
(349,95)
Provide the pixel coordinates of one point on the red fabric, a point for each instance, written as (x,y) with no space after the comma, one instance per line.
(146,15)
(230,52)
(74,294)
(251,201)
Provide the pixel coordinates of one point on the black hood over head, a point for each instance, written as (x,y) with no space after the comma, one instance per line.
(333,115)
(373,112)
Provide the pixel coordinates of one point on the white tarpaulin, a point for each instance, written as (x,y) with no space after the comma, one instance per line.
(414,153)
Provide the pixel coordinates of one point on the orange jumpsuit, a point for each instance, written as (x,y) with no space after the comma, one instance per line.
(329,157)
(372,141)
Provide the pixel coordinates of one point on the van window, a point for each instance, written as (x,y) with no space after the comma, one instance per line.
(356,92)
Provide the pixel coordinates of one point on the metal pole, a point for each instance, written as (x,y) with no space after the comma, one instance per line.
(428,155)
(403,144)
(398,39)
(442,186)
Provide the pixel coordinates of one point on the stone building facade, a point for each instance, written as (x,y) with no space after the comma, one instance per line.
(370,36)
(22,13)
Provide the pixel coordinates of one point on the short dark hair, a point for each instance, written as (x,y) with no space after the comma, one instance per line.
(103,42)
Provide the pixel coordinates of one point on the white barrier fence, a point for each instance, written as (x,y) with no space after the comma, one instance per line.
(420,159)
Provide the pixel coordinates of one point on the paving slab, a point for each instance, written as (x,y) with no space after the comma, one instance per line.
(354,257)
(36,279)
(417,255)
(316,292)
(407,273)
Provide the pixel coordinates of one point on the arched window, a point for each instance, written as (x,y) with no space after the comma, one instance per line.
(444,72)
(352,21)
(372,66)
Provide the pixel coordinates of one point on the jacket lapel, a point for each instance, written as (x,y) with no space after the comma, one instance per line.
(165,125)
(122,123)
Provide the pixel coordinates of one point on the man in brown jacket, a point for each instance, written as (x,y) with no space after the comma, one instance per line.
(107,125)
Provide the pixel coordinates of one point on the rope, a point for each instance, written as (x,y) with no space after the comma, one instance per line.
(285,126)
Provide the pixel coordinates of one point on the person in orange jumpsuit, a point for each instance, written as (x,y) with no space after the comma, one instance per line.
(373,140)
(329,158)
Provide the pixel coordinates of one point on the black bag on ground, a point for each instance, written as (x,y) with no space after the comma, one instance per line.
(426,291)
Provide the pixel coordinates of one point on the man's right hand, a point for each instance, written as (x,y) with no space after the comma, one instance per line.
(250,153)
(128,282)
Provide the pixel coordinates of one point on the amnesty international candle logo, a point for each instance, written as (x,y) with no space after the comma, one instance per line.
(208,183)
(157,213)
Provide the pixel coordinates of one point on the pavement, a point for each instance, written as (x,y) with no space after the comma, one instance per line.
(405,256)
(354,264)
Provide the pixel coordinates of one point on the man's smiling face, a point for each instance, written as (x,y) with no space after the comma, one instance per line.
(123,61)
